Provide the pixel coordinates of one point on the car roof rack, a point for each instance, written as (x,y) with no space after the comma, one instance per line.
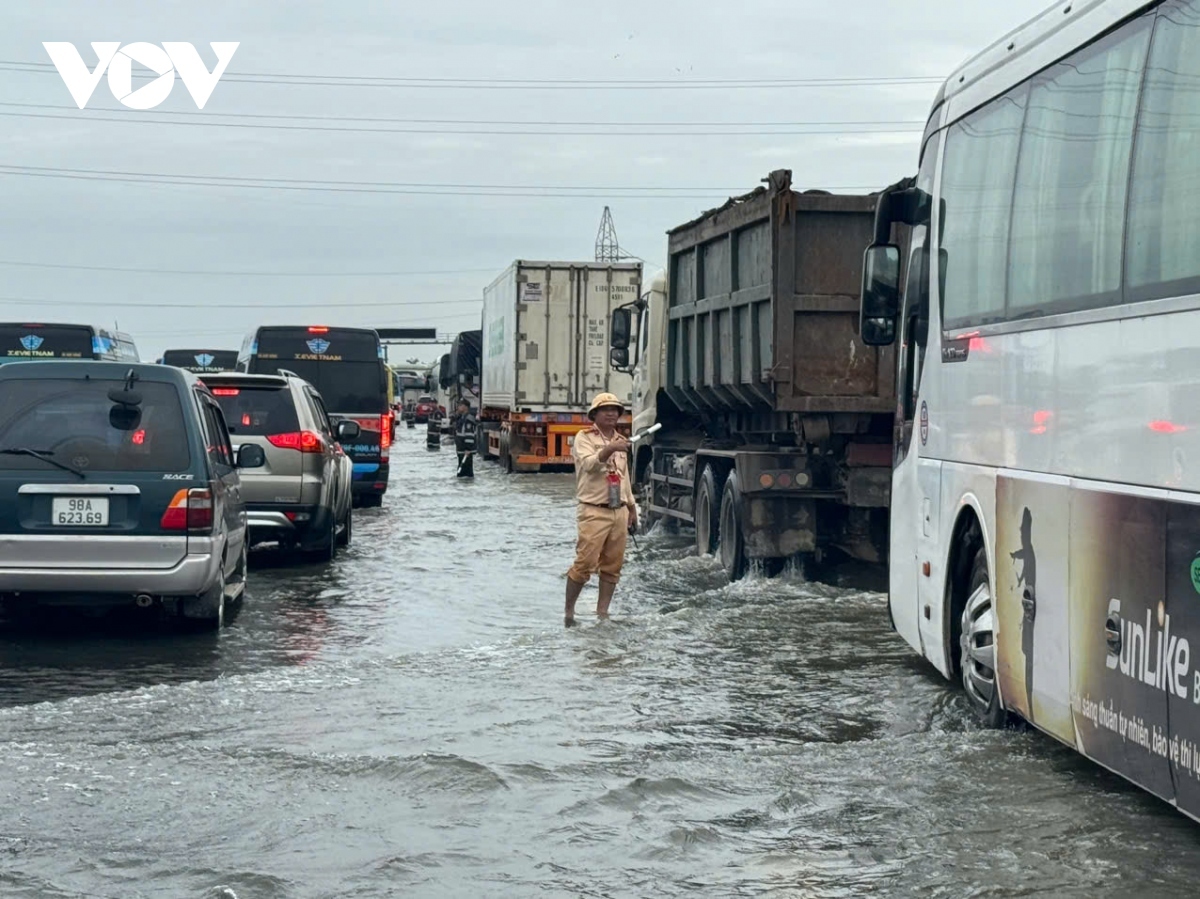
(288,374)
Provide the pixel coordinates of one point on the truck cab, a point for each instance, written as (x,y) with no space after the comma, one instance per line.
(645,358)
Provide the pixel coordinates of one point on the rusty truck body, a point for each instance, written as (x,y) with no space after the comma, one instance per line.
(777,419)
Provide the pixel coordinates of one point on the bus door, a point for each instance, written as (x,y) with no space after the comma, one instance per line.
(916,481)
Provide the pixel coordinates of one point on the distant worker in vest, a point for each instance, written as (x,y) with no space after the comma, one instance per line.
(607,512)
(465,426)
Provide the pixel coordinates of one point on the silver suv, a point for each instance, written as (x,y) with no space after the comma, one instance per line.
(301,497)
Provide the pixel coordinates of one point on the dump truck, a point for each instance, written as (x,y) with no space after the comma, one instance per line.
(544,355)
(776,434)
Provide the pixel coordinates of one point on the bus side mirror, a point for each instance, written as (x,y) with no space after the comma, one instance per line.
(880,295)
(620,330)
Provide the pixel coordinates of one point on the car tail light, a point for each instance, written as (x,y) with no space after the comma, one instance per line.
(318,329)
(225,391)
(385,431)
(190,510)
(175,518)
(199,509)
(305,441)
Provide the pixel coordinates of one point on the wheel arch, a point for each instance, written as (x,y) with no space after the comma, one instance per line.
(970,527)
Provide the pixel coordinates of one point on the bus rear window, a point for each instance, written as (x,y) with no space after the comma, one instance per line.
(74,422)
(19,341)
(332,345)
(200,361)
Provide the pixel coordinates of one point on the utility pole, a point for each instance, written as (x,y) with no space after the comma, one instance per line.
(607,247)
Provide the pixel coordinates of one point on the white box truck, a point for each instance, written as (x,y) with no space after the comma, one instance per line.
(544,355)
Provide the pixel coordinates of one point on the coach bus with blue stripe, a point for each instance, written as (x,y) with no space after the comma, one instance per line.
(40,340)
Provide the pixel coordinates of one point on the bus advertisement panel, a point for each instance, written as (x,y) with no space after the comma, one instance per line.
(346,366)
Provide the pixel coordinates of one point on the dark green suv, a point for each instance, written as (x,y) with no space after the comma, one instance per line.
(119,485)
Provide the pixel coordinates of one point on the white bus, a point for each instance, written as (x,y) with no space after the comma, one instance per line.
(1045,518)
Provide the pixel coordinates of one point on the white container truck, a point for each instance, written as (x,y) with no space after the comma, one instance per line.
(544,356)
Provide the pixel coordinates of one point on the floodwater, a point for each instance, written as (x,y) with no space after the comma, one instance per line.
(414,720)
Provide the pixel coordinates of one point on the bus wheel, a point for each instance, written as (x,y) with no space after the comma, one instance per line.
(978,645)
(705,511)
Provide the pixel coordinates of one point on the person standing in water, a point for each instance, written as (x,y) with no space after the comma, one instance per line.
(1026,582)
(465,427)
(606,512)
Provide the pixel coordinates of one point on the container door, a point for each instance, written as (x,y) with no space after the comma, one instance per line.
(817,282)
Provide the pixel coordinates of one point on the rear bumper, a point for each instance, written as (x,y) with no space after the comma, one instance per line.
(272,523)
(191,577)
(369,478)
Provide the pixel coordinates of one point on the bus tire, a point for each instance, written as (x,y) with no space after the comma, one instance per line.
(707,511)
(977,645)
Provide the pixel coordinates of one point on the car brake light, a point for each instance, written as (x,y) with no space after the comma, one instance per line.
(385,431)
(139,437)
(199,509)
(190,510)
(305,441)
(225,391)
(318,329)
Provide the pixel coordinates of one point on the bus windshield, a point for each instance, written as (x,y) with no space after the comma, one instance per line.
(344,364)
(35,341)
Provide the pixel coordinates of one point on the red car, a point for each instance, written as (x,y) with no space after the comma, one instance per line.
(426,406)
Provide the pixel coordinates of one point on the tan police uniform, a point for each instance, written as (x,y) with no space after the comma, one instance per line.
(603,532)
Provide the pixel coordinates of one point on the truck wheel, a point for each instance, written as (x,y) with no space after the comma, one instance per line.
(481,444)
(506,453)
(706,510)
(733,544)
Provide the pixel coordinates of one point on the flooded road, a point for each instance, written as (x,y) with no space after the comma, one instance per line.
(415,721)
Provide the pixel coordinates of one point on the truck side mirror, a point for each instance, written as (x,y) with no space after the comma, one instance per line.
(620,330)
(880,295)
(619,358)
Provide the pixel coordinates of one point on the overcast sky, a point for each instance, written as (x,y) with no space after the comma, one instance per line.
(304,251)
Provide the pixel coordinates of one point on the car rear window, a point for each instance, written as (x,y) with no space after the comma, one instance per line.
(257,411)
(75,422)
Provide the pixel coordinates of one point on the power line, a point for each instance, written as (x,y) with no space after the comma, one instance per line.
(209,119)
(238,274)
(322,305)
(335,186)
(482,132)
(533,83)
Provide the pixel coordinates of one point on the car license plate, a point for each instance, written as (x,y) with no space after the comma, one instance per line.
(79,511)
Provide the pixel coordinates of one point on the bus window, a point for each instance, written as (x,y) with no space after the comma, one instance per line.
(37,341)
(1163,228)
(1069,205)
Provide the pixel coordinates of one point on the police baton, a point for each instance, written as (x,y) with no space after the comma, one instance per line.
(645,432)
